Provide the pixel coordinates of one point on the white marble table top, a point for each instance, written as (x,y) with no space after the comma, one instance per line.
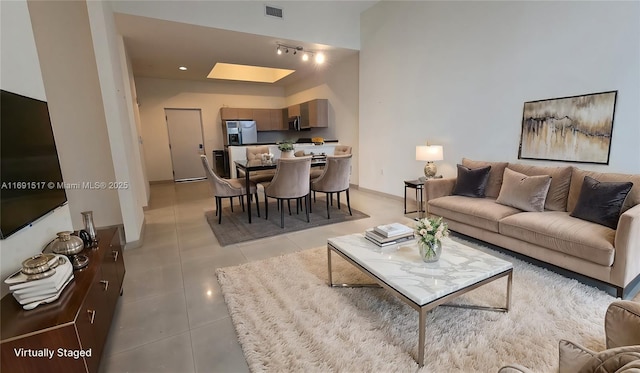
(402,268)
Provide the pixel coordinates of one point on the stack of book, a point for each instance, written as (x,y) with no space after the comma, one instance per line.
(389,234)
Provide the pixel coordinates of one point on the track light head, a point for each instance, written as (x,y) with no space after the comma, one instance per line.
(306,54)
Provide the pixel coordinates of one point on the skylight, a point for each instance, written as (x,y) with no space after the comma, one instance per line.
(247,73)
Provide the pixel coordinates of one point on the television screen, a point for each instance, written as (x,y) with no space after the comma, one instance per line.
(30,176)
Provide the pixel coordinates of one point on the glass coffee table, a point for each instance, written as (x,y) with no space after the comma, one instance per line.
(421,285)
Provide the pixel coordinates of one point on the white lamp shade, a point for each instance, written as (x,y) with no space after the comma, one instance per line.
(429,153)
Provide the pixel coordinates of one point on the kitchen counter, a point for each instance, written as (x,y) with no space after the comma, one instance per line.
(238,152)
(334,142)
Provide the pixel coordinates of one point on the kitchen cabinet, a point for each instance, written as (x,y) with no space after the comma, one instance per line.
(318,113)
(293,111)
(228,113)
(313,114)
(263,119)
(279,121)
(77,322)
(266,119)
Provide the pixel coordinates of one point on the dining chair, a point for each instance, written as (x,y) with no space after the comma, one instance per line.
(334,179)
(291,181)
(228,188)
(254,157)
(342,150)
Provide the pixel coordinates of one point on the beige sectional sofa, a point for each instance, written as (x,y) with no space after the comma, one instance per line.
(552,235)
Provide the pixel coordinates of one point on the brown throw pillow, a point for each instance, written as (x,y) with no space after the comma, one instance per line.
(601,202)
(523,192)
(471,182)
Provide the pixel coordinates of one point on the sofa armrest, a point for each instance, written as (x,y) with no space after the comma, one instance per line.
(622,324)
(434,188)
(626,264)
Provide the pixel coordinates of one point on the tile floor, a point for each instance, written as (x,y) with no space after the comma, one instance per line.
(172,316)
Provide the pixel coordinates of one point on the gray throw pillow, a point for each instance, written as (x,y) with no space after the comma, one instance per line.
(523,192)
(601,202)
(471,182)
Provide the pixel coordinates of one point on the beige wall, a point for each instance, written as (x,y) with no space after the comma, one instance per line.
(70,75)
(123,139)
(21,74)
(154,95)
(334,22)
(470,65)
(339,84)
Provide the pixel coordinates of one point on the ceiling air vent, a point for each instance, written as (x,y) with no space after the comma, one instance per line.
(273,11)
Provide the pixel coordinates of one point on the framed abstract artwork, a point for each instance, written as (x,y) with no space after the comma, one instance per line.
(569,129)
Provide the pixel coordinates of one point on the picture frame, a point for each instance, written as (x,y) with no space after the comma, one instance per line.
(569,129)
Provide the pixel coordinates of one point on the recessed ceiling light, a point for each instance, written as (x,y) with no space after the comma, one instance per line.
(183,68)
(319,58)
(247,73)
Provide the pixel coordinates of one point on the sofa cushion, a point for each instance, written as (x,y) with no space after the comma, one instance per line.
(495,175)
(560,181)
(633,198)
(524,192)
(471,182)
(600,202)
(572,356)
(558,231)
(479,212)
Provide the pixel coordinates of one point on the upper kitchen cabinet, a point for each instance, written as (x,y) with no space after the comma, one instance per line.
(293,111)
(262,118)
(269,119)
(314,113)
(319,113)
(228,113)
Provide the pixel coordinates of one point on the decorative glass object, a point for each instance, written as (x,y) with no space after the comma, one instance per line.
(87,218)
(430,251)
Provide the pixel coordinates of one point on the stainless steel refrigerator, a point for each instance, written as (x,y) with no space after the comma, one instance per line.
(240,132)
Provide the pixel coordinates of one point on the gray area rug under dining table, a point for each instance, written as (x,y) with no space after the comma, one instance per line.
(235,227)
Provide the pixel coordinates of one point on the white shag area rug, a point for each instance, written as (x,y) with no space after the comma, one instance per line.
(289,320)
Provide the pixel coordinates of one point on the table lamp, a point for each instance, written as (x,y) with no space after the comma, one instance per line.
(429,153)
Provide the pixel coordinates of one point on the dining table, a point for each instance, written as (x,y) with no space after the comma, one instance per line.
(249,166)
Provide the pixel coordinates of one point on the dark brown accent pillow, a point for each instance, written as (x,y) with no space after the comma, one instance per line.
(601,202)
(471,182)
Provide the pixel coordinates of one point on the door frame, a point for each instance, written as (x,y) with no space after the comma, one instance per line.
(166,121)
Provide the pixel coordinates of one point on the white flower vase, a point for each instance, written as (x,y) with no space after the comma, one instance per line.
(286,154)
(430,251)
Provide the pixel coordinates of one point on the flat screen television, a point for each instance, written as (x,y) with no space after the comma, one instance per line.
(30,177)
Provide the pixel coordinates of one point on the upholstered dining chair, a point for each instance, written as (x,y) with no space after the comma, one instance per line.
(342,150)
(291,181)
(334,179)
(228,188)
(254,156)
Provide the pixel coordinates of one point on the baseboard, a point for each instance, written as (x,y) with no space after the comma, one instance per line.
(161,182)
(140,241)
(382,194)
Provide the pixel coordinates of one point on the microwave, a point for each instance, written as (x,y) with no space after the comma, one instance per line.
(296,124)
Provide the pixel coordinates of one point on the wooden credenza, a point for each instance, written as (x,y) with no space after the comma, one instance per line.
(76,324)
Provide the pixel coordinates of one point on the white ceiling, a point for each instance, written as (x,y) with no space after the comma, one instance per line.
(158,47)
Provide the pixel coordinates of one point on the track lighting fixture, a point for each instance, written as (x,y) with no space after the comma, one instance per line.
(318,56)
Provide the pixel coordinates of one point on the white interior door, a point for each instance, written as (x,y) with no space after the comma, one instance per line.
(185,143)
